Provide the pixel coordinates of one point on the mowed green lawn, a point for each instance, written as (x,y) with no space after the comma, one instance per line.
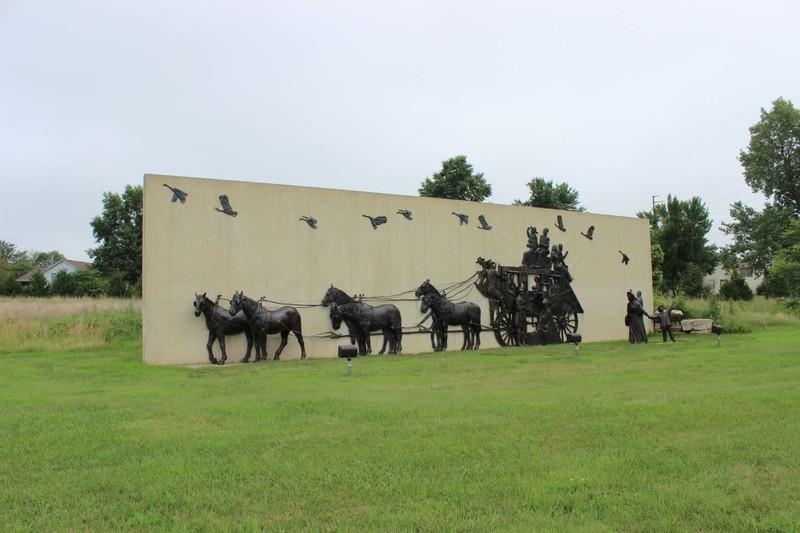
(677,437)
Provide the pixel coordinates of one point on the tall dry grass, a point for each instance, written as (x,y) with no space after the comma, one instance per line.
(45,324)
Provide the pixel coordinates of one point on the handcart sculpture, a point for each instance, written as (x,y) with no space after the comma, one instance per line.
(532,304)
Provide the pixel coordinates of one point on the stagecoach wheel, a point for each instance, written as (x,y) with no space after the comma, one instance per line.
(566,319)
(503,326)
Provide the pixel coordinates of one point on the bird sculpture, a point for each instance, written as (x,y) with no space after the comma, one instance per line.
(589,233)
(311,221)
(462,218)
(376,221)
(484,225)
(177,194)
(625,257)
(560,223)
(226,206)
(405,212)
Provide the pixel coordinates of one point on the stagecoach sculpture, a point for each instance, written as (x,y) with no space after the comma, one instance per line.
(533,303)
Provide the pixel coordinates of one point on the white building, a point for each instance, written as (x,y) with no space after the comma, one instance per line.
(50,272)
(716,279)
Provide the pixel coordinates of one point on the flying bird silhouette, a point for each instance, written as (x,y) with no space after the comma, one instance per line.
(625,257)
(311,221)
(484,225)
(405,212)
(226,206)
(560,224)
(376,221)
(462,218)
(589,233)
(177,194)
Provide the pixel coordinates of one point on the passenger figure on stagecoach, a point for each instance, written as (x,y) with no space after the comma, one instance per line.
(529,257)
(558,255)
(543,249)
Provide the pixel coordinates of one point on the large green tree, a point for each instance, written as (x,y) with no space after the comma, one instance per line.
(119,234)
(9,252)
(680,229)
(544,193)
(772,160)
(456,181)
(757,236)
(785,271)
(771,166)
(13,264)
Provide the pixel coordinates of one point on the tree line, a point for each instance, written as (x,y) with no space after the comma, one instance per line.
(767,240)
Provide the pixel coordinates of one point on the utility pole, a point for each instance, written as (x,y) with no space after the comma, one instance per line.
(656,201)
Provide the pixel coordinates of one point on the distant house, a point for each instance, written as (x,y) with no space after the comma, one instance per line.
(717,279)
(50,272)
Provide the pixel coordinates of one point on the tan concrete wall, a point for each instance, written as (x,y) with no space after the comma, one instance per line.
(267,251)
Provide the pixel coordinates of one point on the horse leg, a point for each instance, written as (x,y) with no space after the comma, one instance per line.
(284,340)
(443,346)
(261,346)
(362,346)
(211,338)
(386,334)
(221,341)
(465,331)
(249,336)
(398,339)
(477,334)
(352,331)
(299,336)
(368,341)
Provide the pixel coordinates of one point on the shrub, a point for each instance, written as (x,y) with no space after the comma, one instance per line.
(792,305)
(714,308)
(736,288)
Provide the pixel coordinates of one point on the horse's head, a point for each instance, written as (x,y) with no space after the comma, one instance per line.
(237,303)
(336,317)
(426,303)
(425,288)
(330,296)
(199,303)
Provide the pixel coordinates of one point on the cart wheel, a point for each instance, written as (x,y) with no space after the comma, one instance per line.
(503,327)
(566,319)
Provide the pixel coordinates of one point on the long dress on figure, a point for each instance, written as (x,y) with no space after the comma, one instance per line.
(636,329)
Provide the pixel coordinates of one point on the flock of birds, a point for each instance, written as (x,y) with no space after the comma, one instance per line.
(463,219)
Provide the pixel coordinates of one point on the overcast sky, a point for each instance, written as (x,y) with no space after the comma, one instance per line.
(622,100)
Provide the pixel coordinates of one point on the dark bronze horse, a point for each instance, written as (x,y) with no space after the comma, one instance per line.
(436,325)
(367,318)
(446,313)
(220,323)
(336,296)
(362,318)
(264,322)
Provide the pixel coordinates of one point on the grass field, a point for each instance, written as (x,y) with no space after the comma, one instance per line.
(658,437)
(29,324)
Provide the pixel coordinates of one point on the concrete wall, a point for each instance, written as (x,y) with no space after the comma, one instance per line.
(266,251)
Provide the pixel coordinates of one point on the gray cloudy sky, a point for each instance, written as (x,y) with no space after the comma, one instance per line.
(622,100)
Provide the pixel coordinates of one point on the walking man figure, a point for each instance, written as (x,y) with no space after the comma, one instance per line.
(662,316)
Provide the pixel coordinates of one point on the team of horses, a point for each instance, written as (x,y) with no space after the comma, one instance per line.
(248,316)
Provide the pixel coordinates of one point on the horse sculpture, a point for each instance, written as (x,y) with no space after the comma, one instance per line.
(334,295)
(436,326)
(264,322)
(365,319)
(220,323)
(362,318)
(446,313)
